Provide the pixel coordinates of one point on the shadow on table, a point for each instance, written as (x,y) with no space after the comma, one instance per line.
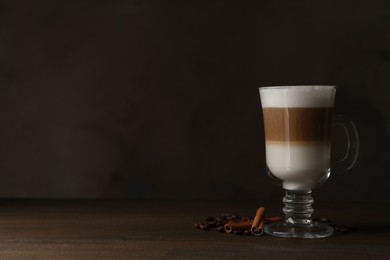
(374,229)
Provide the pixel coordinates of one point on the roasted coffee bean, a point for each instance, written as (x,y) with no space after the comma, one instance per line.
(211,224)
(345,228)
(220,219)
(203,226)
(322,220)
(233,217)
(341,229)
(220,229)
(225,215)
(247,232)
(244,219)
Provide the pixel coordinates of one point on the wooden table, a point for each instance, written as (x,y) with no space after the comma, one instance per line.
(124,229)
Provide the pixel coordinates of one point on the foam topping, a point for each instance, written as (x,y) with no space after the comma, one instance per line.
(297,96)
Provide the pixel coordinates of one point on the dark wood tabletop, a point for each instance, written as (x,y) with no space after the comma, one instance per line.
(127,229)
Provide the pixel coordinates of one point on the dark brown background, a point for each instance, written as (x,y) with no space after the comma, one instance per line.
(159,99)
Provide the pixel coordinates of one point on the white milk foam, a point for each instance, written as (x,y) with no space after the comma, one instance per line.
(299,167)
(298,96)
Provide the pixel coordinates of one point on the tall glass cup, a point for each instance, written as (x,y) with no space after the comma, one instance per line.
(297,126)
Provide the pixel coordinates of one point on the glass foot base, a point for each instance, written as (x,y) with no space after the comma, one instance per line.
(286,230)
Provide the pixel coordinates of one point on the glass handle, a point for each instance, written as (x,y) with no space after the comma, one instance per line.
(346,162)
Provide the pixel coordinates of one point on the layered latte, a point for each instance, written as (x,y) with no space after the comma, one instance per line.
(297,125)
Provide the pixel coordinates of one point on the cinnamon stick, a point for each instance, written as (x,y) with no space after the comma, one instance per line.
(237,226)
(273,219)
(258,222)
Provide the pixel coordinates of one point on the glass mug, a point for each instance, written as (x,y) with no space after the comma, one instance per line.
(297,127)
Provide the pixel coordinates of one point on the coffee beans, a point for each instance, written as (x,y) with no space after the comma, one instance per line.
(345,228)
(218,223)
(337,228)
(322,220)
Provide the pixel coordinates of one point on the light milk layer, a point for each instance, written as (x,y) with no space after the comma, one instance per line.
(299,167)
(298,96)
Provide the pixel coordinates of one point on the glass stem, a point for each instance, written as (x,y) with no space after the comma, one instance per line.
(298,207)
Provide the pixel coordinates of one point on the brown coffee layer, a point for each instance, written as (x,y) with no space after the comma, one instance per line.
(298,143)
(289,124)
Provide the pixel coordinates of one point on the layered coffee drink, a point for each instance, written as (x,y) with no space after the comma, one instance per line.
(297,125)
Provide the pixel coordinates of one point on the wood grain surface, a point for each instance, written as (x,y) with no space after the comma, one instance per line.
(123,229)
